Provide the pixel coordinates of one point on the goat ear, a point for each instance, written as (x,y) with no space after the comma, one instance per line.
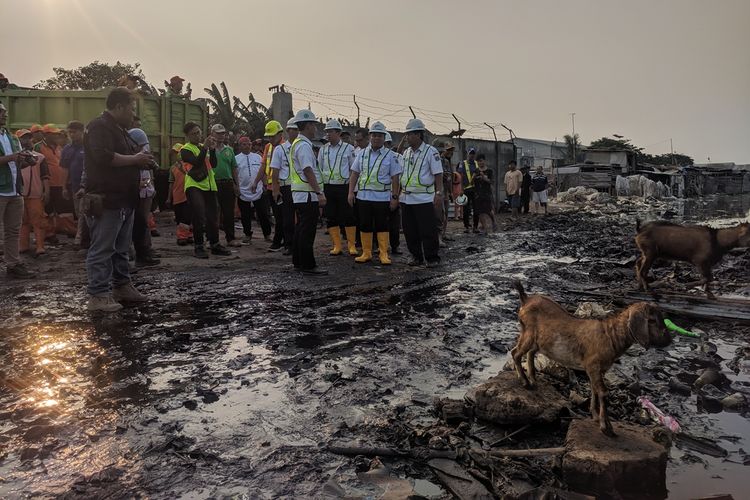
(638,324)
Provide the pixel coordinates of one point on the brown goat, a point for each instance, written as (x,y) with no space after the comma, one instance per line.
(591,345)
(701,246)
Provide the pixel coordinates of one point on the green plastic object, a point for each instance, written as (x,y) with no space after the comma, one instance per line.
(671,326)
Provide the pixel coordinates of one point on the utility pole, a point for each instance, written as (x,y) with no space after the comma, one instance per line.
(671,148)
(575,155)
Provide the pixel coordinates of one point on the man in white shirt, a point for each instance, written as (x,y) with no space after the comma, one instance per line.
(251,181)
(394,216)
(307,194)
(281,186)
(375,172)
(421,195)
(334,161)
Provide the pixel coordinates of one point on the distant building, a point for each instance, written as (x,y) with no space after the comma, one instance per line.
(613,157)
(536,152)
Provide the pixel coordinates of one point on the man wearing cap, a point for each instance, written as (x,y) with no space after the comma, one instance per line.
(200,189)
(448,149)
(253,199)
(174,87)
(281,188)
(375,172)
(177,199)
(59,198)
(225,173)
(35,190)
(421,194)
(113,167)
(334,161)
(72,160)
(468,169)
(307,193)
(274,134)
(12,163)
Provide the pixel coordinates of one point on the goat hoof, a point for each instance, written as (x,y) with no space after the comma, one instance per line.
(711,296)
(608,431)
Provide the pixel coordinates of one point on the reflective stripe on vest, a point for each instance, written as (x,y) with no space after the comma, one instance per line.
(469,176)
(411,183)
(332,173)
(368,183)
(269,154)
(299,185)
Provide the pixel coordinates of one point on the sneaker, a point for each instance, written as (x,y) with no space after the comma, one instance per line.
(200,252)
(19,272)
(235,243)
(103,303)
(415,262)
(315,271)
(128,293)
(275,248)
(248,239)
(218,249)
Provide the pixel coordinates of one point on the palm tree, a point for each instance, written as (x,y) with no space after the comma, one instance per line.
(572,147)
(253,114)
(221,104)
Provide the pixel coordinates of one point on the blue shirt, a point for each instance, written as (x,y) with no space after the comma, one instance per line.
(72,158)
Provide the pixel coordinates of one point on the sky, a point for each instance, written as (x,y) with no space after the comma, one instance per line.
(649,70)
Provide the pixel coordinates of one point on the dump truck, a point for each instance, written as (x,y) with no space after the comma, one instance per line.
(162,117)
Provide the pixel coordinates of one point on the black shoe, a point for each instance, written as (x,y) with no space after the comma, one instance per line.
(415,262)
(217,249)
(19,272)
(315,271)
(146,260)
(396,251)
(200,252)
(433,263)
(287,251)
(275,248)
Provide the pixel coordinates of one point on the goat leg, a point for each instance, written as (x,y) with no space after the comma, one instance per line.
(597,385)
(517,355)
(532,367)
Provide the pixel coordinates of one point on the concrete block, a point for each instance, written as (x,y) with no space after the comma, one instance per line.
(503,400)
(630,466)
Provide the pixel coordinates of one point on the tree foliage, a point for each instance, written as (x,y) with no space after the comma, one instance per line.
(572,147)
(94,76)
(247,119)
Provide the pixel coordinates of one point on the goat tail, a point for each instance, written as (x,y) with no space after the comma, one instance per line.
(637,225)
(519,288)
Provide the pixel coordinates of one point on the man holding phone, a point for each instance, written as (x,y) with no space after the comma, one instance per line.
(113,168)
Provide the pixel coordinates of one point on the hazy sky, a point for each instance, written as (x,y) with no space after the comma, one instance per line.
(646,69)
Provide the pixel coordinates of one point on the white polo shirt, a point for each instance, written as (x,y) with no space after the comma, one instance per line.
(304,157)
(425,171)
(280,162)
(248,166)
(389,166)
(335,162)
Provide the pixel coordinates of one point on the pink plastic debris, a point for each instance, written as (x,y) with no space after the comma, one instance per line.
(659,416)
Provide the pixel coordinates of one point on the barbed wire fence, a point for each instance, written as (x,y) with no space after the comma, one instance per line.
(351,107)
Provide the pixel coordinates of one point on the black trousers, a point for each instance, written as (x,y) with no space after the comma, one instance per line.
(307,214)
(258,208)
(394,226)
(373,216)
(227,202)
(182,213)
(421,231)
(470,210)
(205,212)
(525,199)
(161,183)
(278,218)
(337,209)
(287,215)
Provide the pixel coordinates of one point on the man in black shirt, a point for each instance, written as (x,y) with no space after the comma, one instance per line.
(113,181)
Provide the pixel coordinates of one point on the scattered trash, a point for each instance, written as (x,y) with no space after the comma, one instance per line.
(672,327)
(659,416)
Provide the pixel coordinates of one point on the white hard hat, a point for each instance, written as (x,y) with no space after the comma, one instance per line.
(462,200)
(291,124)
(378,128)
(415,125)
(388,137)
(333,125)
(304,115)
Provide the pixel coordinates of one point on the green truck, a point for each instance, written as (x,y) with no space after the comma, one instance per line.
(162,117)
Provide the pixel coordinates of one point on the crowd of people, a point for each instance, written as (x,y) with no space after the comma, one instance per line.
(100,184)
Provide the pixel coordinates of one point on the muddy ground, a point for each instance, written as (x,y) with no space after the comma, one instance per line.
(239,371)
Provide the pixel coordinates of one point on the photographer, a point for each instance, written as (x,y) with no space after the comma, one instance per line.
(12,160)
(112,193)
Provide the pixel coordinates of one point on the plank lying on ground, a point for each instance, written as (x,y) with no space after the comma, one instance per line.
(424,453)
(686,305)
(462,484)
(531,452)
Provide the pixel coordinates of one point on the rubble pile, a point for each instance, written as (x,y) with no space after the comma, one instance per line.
(580,194)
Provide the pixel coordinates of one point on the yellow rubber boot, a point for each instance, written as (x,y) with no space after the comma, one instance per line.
(383,241)
(335,233)
(351,239)
(366,248)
